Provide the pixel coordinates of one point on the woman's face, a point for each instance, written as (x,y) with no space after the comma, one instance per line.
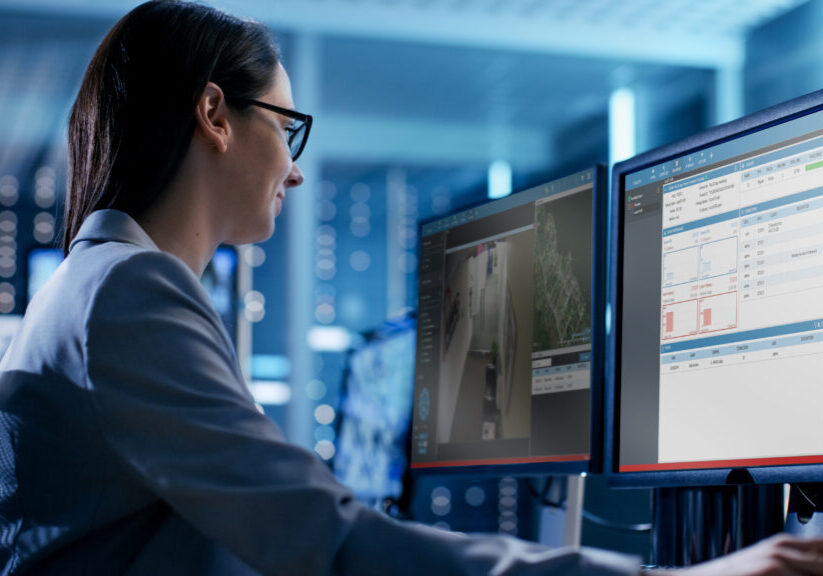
(262,166)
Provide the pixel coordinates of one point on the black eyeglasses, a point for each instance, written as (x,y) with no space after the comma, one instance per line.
(297,132)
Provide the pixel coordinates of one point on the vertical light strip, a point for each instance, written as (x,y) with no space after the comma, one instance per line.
(622,145)
(622,125)
(729,94)
(299,209)
(500,179)
(245,283)
(395,213)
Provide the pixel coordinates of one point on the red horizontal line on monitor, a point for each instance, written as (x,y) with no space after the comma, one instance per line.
(494,461)
(781,461)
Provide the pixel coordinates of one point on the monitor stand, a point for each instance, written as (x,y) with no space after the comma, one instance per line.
(805,515)
(574,510)
(691,525)
(562,526)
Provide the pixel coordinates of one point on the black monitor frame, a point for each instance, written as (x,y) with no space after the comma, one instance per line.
(598,347)
(769,474)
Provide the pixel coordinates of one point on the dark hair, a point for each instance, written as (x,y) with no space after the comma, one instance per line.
(133,119)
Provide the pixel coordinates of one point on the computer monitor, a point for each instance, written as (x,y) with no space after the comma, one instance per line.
(40,265)
(9,323)
(220,279)
(717,300)
(508,367)
(371,455)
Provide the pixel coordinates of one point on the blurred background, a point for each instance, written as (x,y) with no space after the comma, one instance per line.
(421,107)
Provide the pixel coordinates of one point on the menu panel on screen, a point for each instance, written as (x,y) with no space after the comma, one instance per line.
(504,349)
(721,300)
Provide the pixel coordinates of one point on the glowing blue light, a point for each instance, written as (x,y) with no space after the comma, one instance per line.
(329,338)
(608,319)
(270,366)
(622,122)
(270,393)
(500,179)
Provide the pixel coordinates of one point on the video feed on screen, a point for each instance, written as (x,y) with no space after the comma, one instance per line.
(371,451)
(504,339)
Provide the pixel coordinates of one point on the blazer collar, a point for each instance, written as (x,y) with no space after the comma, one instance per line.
(112,226)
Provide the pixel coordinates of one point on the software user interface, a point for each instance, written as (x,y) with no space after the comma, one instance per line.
(722,304)
(504,331)
(375,411)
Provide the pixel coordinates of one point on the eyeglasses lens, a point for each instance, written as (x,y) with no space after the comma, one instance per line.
(296,140)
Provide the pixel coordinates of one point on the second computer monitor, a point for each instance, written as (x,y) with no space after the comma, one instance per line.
(371,454)
(506,372)
(718,300)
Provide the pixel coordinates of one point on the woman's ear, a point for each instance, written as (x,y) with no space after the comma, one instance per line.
(211,115)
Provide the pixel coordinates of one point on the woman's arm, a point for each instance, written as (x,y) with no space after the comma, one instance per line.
(174,410)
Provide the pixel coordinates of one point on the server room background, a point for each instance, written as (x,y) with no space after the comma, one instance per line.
(421,107)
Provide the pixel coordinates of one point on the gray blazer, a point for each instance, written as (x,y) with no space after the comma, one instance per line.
(130,444)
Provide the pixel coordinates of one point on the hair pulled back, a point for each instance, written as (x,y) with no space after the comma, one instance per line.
(133,119)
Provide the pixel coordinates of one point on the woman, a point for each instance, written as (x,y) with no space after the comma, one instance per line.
(129,443)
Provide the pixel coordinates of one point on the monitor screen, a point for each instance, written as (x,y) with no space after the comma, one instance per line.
(719,302)
(41,262)
(504,366)
(220,279)
(9,323)
(371,453)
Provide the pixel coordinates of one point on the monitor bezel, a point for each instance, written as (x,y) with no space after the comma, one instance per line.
(594,464)
(755,122)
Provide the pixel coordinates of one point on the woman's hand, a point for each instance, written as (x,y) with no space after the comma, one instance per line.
(780,555)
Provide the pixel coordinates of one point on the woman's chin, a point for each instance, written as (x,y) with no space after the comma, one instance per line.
(253,235)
